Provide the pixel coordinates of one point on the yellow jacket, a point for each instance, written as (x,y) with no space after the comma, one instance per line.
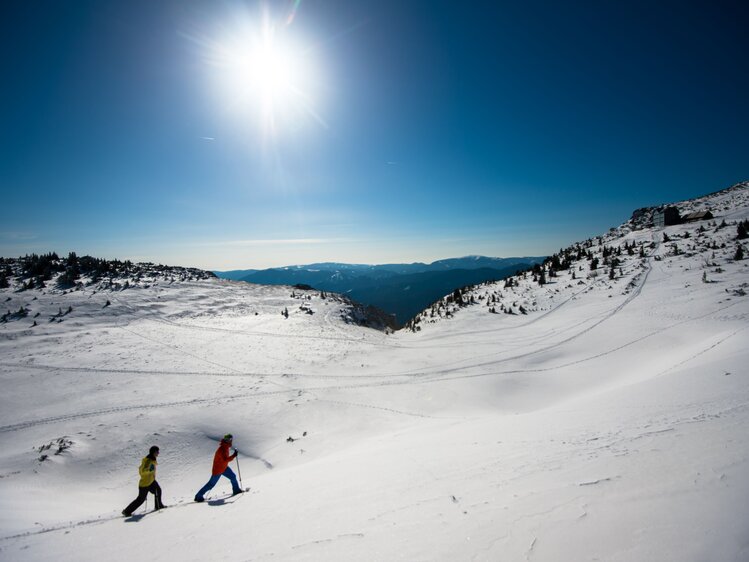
(147,472)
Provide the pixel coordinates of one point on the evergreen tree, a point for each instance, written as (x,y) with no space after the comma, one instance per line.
(458,297)
(739,255)
(741,230)
(73,261)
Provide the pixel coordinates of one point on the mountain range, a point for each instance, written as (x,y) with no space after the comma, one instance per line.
(401,289)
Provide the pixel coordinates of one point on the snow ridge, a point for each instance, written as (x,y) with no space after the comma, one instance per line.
(619,260)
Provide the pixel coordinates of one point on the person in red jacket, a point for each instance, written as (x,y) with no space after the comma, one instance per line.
(221,461)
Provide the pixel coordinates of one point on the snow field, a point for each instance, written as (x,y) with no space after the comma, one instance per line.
(607,423)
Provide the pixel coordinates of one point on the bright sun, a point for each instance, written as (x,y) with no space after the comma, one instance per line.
(265,74)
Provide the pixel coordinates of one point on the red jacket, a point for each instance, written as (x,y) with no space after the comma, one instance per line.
(222,458)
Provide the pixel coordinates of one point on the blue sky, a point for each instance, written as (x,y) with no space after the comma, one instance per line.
(386,131)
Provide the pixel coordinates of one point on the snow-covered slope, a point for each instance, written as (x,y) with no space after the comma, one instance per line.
(615,262)
(606,422)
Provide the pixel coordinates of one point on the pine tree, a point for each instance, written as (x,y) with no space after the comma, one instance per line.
(741,230)
(458,297)
(739,255)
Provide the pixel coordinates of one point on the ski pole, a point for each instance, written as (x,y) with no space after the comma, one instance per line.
(239,472)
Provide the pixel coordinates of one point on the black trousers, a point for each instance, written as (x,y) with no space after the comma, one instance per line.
(154,488)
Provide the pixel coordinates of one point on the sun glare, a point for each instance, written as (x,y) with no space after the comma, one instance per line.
(263,73)
(266,75)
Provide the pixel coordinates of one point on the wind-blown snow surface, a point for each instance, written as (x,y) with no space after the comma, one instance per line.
(609,423)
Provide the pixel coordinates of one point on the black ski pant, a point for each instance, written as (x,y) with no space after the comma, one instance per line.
(154,488)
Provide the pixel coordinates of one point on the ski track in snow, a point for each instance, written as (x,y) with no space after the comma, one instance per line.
(596,356)
(513,328)
(215,329)
(575,294)
(414,379)
(607,316)
(63,527)
(179,350)
(384,409)
(135,407)
(184,502)
(328,540)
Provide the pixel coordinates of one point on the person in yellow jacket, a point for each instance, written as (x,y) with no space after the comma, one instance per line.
(147,482)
